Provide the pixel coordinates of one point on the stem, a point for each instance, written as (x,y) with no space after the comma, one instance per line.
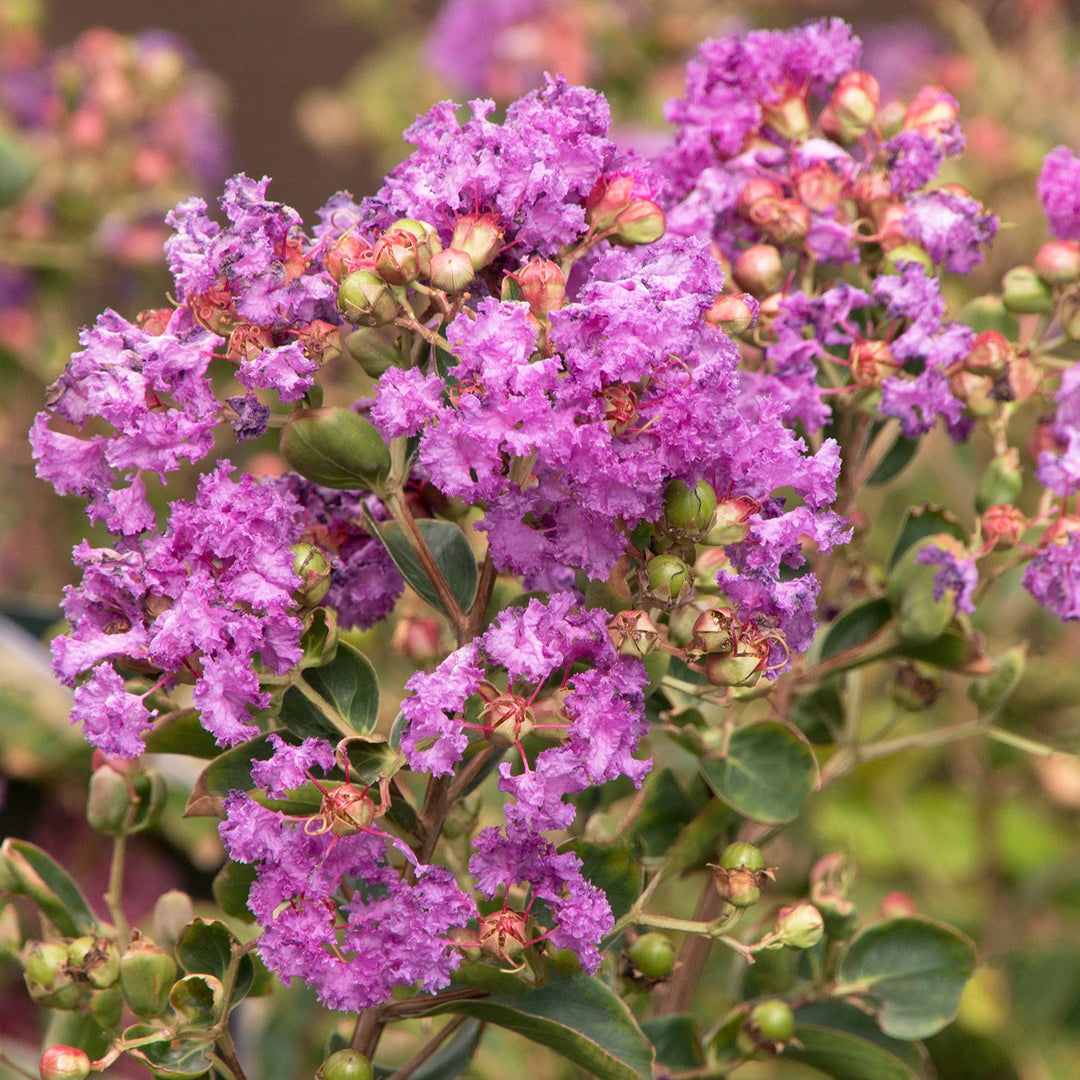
(227,1051)
(113,897)
(692,955)
(428,1049)
(15,1066)
(365,1036)
(484,588)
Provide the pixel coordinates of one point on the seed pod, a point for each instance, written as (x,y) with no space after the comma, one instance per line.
(345,1065)
(653,955)
(147,974)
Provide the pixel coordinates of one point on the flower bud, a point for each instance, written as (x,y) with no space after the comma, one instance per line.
(642,222)
(543,286)
(989,354)
(173,910)
(375,349)
(872,194)
(348,253)
(785,222)
(48,978)
(734,313)
(633,633)
(345,1065)
(819,187)
(855,100)
(417,639)
(479,236)
(1003,525)
(689,510)
(452,270)
(713,631)
(789,117)
(610,196)
(992,691)
(335,447)
(110,797)
(366,299)
(1025,293)
(503,934)
(770,1025)
(396,258)
(1058,262)
(740,874)
(799,926)
(758,270)
(897,905)
(890,226)
(95,960)
(147,974)
(830,881)
(736,669)
(652,955)
(757,189)
(668,578)
(731,523)
(427,240)
(872,362)
(1001,482)
(915,687)
(932,113)
(312,567)
(64,1063)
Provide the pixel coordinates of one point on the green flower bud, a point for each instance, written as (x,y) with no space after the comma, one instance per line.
(313,569)
(906,253)
(107,1006)
(479,236)
(740,874)
(95,960)
(48,979)
(109,799)
(172,912)
(759,270)
(690,509)
(773,1021)
(64,1063)
(345,1065)
(730,669)
(642,222)
(799,926)
(366,299)
(653,955)
(1001,483)
(1025,293)
(147,974)
(740,855)
(991,692)
(668,578)
(337,448)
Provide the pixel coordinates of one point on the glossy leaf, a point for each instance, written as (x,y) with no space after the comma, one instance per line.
(613,869)
(26,870)
(343,698)
(844,1056)
(913,970)
(664,812)
(677,1041)
(231,886)
(855,626)
(453,1057)
(205,948)
(578,1017)
(452,555)
(182,733)
(766,774)
(921,522)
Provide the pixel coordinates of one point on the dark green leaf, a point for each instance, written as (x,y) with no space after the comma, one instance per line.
(335,447)
(844,1056)
(26,870)
(347,699)
(855,626)
(182,733)
(699,842)
(767,773)
(453,1057)
(320,640)
(578,1017)
(900,453)
(206,948)
(677,1041)
(451,553)
(914,971)
(921,522)
(666,809)
(230,771)
(848,1018)
(232,883)
(612,868)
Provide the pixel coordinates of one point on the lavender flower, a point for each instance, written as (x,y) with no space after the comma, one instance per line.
(951,227)
(1052,577)
(1059,190)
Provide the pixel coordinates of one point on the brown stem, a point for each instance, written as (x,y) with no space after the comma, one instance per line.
(484,588)
(365,1036)
(428,1049)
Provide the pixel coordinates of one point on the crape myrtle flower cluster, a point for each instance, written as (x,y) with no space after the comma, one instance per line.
(555,354)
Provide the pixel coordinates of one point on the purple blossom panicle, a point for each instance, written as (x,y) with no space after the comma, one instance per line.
(915,157)
(956,573)
(353,945)
(1053,576)
(952,228)
(1059,190)
(209,595)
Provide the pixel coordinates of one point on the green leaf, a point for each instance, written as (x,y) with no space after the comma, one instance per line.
(578,1017)
(612,868)
(677,1041)
(231,886)
(696,844)
(844,1056)
(320,639)
(230,771)
(336,448)
(664,812)
(855,626)
(340,698)
(453,1057)
(206,948)
(914,971)
(766,774)
(923,521)
(452,555)
(900,453)
(26,870)
(172,1059)
(197,999)
(182,733)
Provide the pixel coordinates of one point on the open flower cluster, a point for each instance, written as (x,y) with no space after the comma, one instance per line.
(558,345)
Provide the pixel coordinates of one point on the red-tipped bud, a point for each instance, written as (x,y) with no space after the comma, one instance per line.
(819,187)
(871,362)
(855,100)
(872,194)
(64,1063)
(417,639)
(543,286)
(890,226)
(452,270)
(731,521)
(933,112)
(897,905)
(1003,525)
(348,253)
(800,926)
(734,313)
(990,353)
(757,189)
(610,196)
(642,222)
(397,258)
(759,270)
(1058,262)
(784,221)
(479,236)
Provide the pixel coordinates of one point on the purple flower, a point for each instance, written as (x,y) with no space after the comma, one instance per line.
(1053,577)
(1061,471)
(288,767)
(914,156)
(956,573)
(951,227)
(1059,190)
